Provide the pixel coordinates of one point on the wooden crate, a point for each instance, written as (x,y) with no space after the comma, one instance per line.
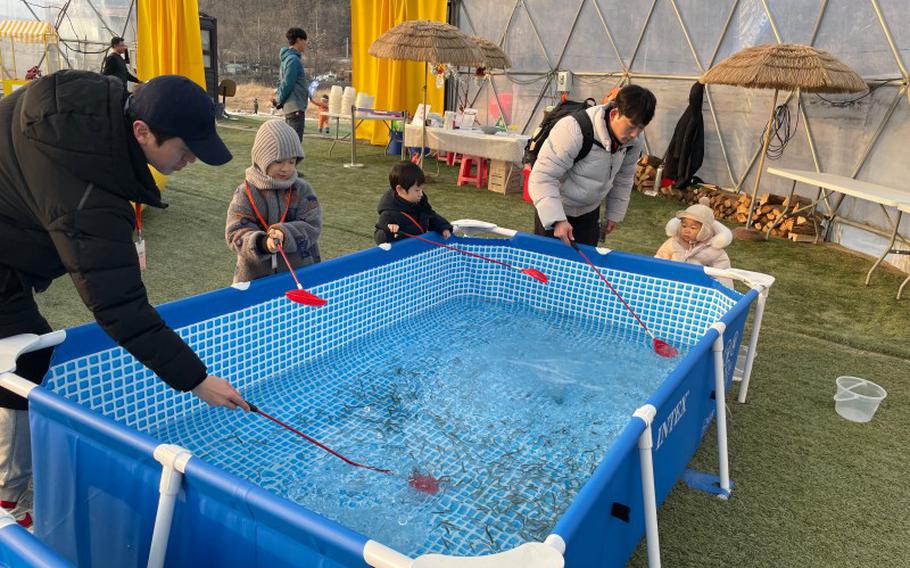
(504,177)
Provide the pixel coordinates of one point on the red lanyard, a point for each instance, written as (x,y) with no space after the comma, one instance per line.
(139,219)
(416,224)
(265,226)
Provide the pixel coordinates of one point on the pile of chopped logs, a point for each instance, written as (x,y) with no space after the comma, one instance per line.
(645,173)
(772,212)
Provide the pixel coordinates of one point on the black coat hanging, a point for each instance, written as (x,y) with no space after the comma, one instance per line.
(687,147)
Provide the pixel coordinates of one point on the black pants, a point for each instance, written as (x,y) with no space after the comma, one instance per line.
(19,314)
(297,121)
(585,228)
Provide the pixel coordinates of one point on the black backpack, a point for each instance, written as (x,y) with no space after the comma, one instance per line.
(575,109)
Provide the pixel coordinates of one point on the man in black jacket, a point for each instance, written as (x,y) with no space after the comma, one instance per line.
(115,65)
(74,152)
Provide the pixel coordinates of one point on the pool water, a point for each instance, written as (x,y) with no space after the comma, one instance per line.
(512,408)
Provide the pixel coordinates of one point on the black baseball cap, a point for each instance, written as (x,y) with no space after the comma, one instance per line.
(175,106)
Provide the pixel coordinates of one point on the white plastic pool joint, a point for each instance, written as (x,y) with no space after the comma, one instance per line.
(720,327)
(756,280)
(6,519)
(646,413)
(556,542)
(527,555)
(474,227)
(547,554)
(11,348)
(173,460)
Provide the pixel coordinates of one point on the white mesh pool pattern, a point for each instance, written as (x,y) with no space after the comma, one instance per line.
(250,345)
(510,460)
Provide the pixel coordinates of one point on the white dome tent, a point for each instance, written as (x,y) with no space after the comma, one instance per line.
(666,45)
(84,27)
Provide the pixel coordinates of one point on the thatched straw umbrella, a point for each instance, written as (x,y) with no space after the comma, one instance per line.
(493,58)
(429,42)
(783,67)
(493,55)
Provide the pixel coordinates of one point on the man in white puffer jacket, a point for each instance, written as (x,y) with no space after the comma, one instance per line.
(567,194)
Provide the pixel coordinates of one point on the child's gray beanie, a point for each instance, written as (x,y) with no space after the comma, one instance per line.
(275,140)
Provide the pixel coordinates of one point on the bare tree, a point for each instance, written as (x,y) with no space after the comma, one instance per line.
(252,33)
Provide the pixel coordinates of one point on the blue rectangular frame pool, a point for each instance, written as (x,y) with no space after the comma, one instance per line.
(97,479)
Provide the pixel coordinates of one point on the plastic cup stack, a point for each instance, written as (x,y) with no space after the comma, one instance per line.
(347,100)
(335,96)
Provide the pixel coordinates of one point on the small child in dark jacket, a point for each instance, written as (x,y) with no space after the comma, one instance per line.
(404,207)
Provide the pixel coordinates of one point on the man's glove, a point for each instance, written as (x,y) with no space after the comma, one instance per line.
(276,105)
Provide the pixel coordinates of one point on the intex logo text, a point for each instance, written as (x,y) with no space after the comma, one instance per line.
(675,416)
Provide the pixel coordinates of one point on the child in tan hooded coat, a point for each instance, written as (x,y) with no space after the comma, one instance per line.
(696,238)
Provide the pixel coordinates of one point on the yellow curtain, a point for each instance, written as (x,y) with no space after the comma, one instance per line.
(168,43)
(395,85)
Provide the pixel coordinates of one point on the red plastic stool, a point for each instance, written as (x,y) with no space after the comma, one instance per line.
(453,158)
(468,173)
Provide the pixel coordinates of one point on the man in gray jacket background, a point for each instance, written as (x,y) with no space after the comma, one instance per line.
(567,194)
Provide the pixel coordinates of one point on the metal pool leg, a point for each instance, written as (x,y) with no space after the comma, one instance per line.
(720,410)
(753,343)
(645,443)
(173,461)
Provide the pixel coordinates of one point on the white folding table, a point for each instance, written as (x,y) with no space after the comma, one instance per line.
(903,208)
(867,191)
(357,116)
(505,146)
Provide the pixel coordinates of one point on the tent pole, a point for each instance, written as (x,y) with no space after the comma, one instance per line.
(423,127)
(761,161)
(12,51)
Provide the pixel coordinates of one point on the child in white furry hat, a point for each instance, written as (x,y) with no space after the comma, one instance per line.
(696,238)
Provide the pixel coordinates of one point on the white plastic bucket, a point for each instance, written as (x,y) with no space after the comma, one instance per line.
(857,399)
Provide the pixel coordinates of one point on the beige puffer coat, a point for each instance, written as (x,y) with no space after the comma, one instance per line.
(708,250)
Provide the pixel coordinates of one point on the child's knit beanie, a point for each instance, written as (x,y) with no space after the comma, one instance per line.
(275,140)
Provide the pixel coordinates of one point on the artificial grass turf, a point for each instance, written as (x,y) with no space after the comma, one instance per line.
(811,488)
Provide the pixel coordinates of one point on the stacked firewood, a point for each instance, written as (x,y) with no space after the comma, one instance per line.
(772,212)
(645,173)
(776,213)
